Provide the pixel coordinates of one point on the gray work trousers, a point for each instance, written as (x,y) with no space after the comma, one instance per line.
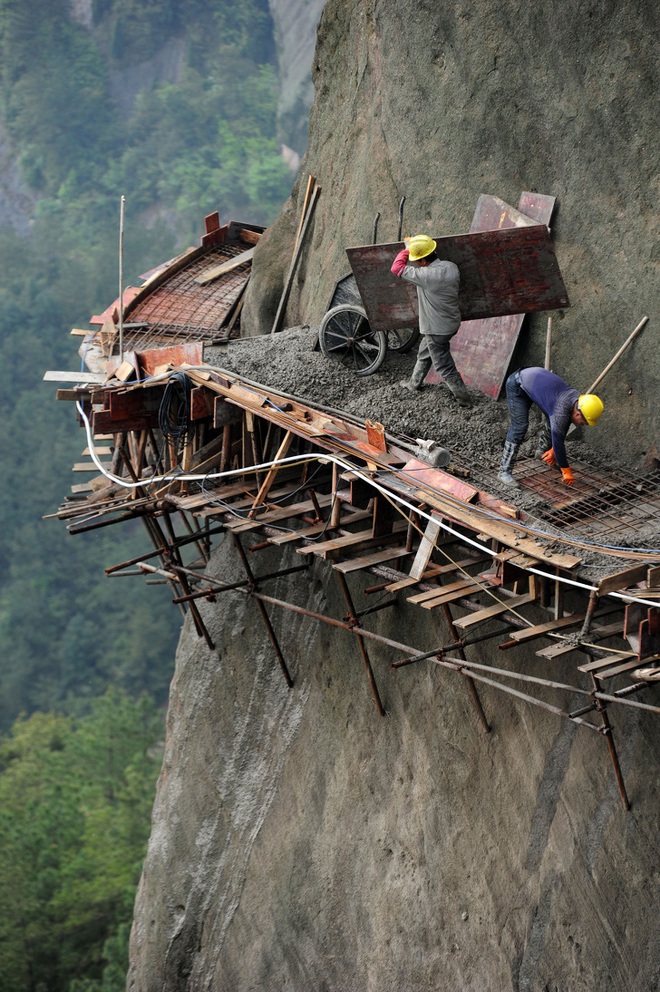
(436,348)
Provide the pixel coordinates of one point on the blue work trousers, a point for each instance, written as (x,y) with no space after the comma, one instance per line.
(519,404)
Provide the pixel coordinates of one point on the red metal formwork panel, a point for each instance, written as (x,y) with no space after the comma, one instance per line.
(483,348)
(502,272)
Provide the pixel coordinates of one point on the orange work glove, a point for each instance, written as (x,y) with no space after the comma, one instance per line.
(567,476)
(549,457)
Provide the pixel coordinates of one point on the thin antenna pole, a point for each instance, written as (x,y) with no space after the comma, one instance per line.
(121,278)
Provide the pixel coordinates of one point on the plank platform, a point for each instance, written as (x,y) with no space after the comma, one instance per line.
(464,623)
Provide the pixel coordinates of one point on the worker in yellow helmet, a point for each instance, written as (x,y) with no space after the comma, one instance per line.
(561,406)
(437,283)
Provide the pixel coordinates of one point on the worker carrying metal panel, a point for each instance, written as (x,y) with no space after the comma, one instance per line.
(437,282)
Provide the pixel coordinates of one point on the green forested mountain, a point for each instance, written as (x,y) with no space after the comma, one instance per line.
(171,103)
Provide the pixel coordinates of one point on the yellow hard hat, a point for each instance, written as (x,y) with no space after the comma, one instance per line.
(591,407)
(420,246)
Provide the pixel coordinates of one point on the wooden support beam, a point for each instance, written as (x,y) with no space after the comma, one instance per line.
(425,550)
(220,270)
(270,476)
(367,561)
(363,539)
(464,623)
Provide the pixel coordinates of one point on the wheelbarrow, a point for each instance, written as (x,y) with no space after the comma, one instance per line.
(346,335)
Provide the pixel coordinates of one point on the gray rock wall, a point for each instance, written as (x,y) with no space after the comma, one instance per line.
(300,841)
(442,102)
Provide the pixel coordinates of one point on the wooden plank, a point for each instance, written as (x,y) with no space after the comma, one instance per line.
(434,570)
(220,270)
(621,580)
(72,395)
(544,629)
(272,472)
(608,661)
(251,237)
(449,597)
(653,577)
(315,529)
(282,513)
(425,550)
(464,623)
(90,466)
(550,626)
(366,561)
(627,666)
(99,377)
(598,634)
(329,548)
(463,583)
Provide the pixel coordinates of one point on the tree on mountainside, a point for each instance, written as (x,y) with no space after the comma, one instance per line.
(75,798)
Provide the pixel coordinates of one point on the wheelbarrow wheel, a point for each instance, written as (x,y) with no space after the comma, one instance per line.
(402,339)
(346,336)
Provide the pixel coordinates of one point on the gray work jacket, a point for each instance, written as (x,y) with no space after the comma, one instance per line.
(437,293)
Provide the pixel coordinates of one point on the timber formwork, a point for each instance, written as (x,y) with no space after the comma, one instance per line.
(274,472)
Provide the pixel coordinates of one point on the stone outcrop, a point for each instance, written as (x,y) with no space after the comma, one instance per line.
(299,840)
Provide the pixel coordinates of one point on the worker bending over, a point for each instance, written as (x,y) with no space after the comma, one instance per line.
(437,283)
(561,406)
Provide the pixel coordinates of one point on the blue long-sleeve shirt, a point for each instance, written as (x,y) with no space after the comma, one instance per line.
(556,399)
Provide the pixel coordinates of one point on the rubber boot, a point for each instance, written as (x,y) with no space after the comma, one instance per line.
(509,456)
(459,391)
(419,374)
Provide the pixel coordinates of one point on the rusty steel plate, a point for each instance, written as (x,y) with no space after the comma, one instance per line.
(483,348)
(502,272)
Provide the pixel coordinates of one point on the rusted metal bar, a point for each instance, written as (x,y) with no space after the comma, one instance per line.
(378,588)
(199,623)
(180,542)
(606,729)
(593,603)
(629,702)
(363,650)
(315,503)
(458,665)
(375,609)
(262,609)
(436,652)
(210,594)
(128,515)
(471,686)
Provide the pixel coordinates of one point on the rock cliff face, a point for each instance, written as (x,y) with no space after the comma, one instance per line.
(299,840)
(295,24)
(443,102)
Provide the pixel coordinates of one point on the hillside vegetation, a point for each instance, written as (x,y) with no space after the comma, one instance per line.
(171,103)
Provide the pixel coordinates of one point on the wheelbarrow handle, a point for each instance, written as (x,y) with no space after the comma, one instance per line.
(401,203)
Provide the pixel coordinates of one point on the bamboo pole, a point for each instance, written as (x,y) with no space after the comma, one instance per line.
(620,352)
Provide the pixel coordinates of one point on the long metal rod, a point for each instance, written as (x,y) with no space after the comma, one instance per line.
(262,609)
(606,730)
(363,650)
(470,681)
(122,204)
(457,666)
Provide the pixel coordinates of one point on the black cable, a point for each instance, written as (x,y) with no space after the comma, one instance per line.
(174,410)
